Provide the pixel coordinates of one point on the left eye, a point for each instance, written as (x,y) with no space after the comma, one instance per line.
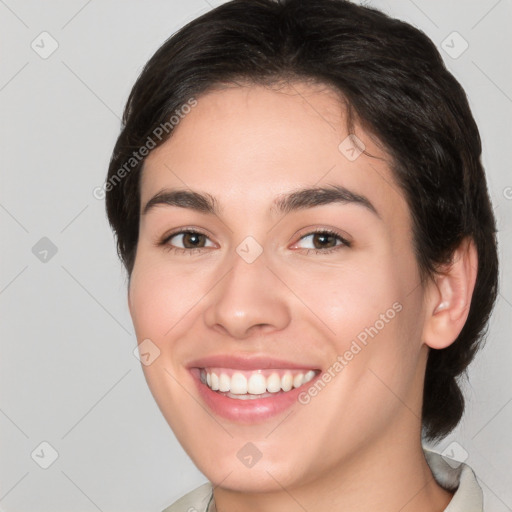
(323,240)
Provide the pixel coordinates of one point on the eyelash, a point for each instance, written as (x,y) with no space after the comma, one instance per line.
(164,243)
(344,242)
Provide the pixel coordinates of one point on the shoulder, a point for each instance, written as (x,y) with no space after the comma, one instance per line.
(194,501)
(459,477)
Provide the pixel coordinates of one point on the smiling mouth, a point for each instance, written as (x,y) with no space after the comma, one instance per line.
(247,385)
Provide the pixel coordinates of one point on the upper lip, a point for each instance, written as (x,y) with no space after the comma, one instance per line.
(246,362)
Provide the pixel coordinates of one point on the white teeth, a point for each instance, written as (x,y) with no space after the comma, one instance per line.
(256,384)
(215,381)
(274,383)
(238,384)
(224,382)
(287,382)
(298,380)
(309,375)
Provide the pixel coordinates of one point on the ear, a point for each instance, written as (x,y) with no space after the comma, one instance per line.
(448,297)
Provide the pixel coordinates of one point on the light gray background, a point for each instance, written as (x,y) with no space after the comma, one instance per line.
(68,375)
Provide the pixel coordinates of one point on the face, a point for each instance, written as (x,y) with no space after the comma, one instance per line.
(277,265)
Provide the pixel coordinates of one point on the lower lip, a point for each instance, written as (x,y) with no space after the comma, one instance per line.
(247,411)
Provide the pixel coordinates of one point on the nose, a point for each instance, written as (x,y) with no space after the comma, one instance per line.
(249,299)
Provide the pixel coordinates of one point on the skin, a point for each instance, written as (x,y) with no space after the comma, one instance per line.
(356,445)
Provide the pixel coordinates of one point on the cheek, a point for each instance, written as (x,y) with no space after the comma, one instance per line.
(375,313)
(160,299)
(346,298)
(368,311)
(161,306)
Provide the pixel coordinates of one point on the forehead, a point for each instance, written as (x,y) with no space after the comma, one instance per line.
(247,145)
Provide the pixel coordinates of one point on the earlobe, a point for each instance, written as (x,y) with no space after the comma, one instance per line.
(448,297)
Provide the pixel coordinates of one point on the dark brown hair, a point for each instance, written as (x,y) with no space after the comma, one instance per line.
(394,82)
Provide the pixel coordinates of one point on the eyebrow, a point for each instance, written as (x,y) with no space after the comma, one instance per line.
(297,200)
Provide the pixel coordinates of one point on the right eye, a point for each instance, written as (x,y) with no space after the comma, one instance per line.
(186,241)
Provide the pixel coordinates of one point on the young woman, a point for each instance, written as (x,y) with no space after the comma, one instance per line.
(300,206)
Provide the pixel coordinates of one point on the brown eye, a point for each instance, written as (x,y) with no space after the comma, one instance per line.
(187,240)
(322,241)
(192,240)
